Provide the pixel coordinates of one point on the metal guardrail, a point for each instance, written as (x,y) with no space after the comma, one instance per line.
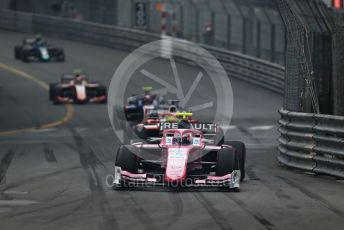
(250,69)
(312,142)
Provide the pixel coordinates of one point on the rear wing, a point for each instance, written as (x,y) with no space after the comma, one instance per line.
(205,128)
(173,102)
(70,77)
(67,77)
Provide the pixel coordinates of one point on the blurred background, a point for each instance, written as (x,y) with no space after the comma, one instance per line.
(252,27)
(257,28)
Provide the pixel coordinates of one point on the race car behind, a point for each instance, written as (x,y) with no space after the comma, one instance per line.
(36,49)
(77,89)
(134,108)
(155,121)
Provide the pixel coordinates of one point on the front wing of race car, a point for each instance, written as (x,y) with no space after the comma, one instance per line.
(43,54)
(68,99)
(79,94)
(124,179)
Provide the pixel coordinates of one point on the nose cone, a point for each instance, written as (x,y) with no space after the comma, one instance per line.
(176,164)
(81,92)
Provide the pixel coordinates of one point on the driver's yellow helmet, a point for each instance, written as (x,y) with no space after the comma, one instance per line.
(183,115)
(77,71)
(147,88)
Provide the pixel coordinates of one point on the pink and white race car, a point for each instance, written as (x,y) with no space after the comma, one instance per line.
(182,158)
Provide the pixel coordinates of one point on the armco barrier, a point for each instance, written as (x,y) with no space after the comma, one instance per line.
(250,69)
(312,142)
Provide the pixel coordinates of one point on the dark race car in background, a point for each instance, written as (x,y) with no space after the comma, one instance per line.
(79,89)
(136,105)
(31,50)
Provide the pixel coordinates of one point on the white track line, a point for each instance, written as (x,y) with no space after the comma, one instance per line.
(16,202)
(262,127)
(43,130)
(230,127)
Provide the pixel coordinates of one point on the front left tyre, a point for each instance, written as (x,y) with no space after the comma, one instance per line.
(25,56)
(52,93)
(17,52)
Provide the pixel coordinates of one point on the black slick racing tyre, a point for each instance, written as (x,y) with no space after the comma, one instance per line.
(24,57)
(240,151)
(127,160)
(225,162)
(141,132)
(57,91)
(52,93)
(63,56)
(17,52)
(102,91)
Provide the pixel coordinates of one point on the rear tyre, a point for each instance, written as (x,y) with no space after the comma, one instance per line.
(140,132)
(240,151)
(63,56)
(225,162)
(102,91)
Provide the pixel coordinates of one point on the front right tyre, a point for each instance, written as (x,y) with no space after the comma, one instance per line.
(126,159)
(225,162)
(52,93)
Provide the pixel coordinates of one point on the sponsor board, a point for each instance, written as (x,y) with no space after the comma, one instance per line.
(204,127)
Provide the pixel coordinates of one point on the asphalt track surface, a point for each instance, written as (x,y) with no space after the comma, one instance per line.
(53,175)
